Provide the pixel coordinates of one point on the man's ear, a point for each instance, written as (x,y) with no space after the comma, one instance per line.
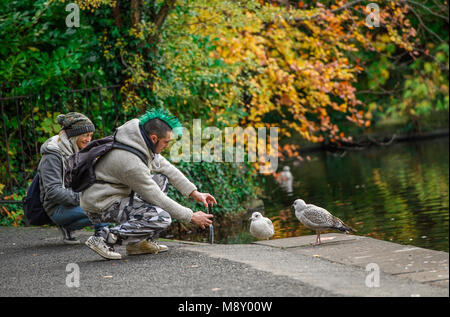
(153,137)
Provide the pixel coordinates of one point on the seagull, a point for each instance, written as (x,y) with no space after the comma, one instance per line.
(261,227)
(317,218)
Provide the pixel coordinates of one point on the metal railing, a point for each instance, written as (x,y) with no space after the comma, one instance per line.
(28,120)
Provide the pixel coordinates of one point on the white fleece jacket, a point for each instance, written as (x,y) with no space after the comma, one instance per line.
(129,173)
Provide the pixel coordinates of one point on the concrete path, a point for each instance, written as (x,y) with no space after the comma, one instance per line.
(34,262)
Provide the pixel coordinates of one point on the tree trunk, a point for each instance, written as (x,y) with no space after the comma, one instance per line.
(116,15)
(153,40)
(135,7)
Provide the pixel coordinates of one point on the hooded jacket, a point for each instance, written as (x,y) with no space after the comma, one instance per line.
(51,171)
(124,171)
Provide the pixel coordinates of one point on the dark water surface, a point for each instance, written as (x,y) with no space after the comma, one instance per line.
(398,193)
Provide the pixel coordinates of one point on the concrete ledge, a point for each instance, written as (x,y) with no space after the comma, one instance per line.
(418,264)
(306,241)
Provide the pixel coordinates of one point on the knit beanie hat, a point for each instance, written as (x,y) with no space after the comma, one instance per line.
(75,124)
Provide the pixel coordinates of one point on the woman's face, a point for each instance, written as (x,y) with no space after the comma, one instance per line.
(84,139)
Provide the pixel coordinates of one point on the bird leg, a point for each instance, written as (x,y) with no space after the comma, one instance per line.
(318,241)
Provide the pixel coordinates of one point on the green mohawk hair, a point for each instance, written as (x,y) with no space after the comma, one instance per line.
(165,116)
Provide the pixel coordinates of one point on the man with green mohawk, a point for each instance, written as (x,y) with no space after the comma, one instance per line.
(133,194)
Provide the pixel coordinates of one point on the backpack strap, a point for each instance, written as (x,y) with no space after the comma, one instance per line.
(142,156)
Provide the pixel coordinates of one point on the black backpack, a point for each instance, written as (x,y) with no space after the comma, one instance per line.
(80,166)
(32,206)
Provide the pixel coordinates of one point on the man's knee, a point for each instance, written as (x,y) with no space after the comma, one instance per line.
(165,219)
(162,181)
(156,216)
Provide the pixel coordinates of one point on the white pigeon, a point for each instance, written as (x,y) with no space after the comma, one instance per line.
(317,218)
(261,227)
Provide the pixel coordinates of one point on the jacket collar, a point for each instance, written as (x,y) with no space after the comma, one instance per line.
(147,139)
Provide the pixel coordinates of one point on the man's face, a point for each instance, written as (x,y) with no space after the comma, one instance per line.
(161,143)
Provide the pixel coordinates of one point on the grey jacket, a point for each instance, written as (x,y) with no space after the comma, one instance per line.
(124,171)
(51,176)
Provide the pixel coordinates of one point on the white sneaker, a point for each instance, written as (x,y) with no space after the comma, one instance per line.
(99,245)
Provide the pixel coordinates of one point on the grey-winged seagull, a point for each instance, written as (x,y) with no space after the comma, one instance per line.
(261,227)
(317,218)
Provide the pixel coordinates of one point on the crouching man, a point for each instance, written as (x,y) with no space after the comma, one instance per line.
(134,195)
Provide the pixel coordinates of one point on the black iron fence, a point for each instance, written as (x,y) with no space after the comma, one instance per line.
(28,120)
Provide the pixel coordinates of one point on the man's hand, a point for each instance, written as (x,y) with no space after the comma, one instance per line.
(201,219)
(204,198)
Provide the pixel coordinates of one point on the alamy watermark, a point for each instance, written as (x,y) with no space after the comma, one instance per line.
(373,18)
(373,279)
(258,149)
(73,278)
(73,18)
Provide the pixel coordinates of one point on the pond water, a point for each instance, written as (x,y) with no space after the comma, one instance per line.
(397,193)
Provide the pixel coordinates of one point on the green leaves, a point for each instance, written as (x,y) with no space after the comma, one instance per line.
(378,73)
(37,49)
(425,90)
(230,184)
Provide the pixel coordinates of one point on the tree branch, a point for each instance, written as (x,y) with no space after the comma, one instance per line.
(163,13)
(425,8)
(423,24)
(345,6)
(158,20)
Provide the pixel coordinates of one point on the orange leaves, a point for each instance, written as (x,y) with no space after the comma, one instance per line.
(289,150)
(296,65)
(5,212)
(14,216)
(285,100)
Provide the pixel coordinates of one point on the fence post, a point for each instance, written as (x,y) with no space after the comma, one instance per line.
(19,126)
(28,140)
(101,111)
(86,94)
(34,127)
(8,168)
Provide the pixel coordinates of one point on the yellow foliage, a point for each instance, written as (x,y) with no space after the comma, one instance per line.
(295,68)
(294,63)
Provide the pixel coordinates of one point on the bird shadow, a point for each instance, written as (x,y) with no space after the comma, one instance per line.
(328,243)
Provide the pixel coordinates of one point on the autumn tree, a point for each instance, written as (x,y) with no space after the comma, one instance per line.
(291,66)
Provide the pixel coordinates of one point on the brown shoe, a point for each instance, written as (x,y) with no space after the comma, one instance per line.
(161,247)
(142,247)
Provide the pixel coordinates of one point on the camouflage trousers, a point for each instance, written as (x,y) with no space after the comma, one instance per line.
(135,218)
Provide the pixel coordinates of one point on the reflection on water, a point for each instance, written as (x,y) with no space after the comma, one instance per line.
(397,193)
(285,180)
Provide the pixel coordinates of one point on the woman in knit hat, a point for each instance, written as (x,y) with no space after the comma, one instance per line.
(62,204)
